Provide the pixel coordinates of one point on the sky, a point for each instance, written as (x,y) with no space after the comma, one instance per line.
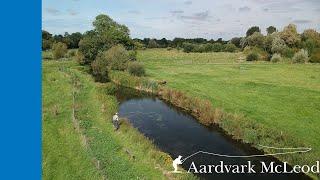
(210,19)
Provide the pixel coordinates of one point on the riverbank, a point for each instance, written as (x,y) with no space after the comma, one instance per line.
(78,137)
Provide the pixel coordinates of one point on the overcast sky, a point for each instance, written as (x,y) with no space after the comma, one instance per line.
(181,18)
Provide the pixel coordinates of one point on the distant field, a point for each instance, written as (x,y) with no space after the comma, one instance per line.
(285,97)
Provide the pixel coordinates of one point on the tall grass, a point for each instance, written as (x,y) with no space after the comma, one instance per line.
(139,83)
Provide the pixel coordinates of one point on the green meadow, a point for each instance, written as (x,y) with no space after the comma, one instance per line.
(282,97)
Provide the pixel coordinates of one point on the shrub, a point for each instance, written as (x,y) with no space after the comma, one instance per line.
(262,54)
(152,44)
(199,48)
(278,45)
(89,47)
(117,57)
(288,52)
(188,47)
(132,55)
(236,41)
(100,68)
(136,69)
(59,50)
(229,47)
(256,39)
(301,57)
(80,58)
(290,35)
(252,56)
(207,47)
(46,44)
(271,29)
(315,56)
(252,30)
(216,47)
(243,42)
(72,53)
(276,58)
(310,45)
(110,88)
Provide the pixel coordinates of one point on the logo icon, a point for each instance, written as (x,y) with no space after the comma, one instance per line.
(175,164)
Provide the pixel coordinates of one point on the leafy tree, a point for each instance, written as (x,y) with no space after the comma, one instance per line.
(315,56)
(243,42)
(46,35)
(310,34)
(311,40)
(109,30)
(310,45)
(290,35)
(163,43)
(106,33)
(208,47)
(252,30)
(117,57)
(268,42)
(59,50)
(236,41)
(278,45)
(177,42)
(256,39)
(219,40)
(271,29)
(152,44)
(229,47)
(188,47)
(74,40)
(47,40)
(138,45)
(46,44)
(100,68)
(90,45)
(58,38)
(217,47)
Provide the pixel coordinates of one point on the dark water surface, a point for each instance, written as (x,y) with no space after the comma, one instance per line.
(178,133)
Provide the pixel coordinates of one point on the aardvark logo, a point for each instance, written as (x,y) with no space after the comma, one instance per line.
(179,161)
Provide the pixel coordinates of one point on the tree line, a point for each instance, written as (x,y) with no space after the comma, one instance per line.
(274,46)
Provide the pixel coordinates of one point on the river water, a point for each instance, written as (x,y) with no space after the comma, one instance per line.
(176,132)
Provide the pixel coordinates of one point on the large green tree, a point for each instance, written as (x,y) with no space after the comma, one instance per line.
(47,40)
(106,33)
(271,29)
(290,35)
(252,30)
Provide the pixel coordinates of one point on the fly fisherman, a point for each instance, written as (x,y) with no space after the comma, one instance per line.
(175,164)
(115,121)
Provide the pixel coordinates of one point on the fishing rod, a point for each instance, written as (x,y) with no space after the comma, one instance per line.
(296,150)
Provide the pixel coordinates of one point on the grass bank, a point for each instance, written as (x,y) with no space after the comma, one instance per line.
(79,141)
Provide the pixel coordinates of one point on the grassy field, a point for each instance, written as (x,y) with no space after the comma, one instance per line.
(282,97)
(82,144)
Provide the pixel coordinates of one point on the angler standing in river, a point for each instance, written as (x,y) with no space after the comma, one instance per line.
(115,121)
